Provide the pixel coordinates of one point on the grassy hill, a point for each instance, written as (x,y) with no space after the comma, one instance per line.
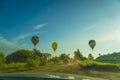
(111,58)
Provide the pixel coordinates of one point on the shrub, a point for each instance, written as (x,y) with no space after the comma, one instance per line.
(93,65)
(12,67)
(32,63)
(2,58)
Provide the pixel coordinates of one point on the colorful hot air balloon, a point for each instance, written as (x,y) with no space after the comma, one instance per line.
(92,44)
(54,46)
(35,40)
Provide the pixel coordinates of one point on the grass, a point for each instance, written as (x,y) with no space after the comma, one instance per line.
(99,66)
(92,69)
(18,67)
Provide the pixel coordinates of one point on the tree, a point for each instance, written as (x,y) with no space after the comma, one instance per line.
(22,56)
(65,58)
(84,58)
(78,55)
(56,59)
(2,58)
(90,57)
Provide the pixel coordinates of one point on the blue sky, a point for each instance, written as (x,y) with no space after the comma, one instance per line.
(71,23)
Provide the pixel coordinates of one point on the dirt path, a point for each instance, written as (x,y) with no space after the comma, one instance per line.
(74,68)
(69,68)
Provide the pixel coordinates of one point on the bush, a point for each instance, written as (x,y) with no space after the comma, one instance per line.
(93,65)
(12,67)
(32,63)
(56,60)
(2,59)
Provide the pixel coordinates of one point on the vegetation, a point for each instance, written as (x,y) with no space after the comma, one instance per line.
(2,59)
(78,56)
(24,60)
(99,66)
(65,58)
(21,56)
(90,57)
(109,58)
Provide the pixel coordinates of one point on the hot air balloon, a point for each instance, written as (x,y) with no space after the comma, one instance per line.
(54,46)
(92,44)
(35,40)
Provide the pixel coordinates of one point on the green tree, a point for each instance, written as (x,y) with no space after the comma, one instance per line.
(2,58)
(90,57)
(78,55)
(22,56)
(55,60)
(65,58)
(84,58)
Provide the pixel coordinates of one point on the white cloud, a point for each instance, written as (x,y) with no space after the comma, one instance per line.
(7,46)
(10,46)
(6,42)
(22,36)
(39,26)
(27,35)
(89,28)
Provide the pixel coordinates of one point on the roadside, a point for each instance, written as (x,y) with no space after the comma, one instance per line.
(73,68)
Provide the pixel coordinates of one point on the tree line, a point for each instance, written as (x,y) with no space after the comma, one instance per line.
(35,57)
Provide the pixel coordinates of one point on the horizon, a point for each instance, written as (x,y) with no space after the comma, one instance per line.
(70,23)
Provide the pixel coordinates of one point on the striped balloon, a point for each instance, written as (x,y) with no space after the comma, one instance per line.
(35,40)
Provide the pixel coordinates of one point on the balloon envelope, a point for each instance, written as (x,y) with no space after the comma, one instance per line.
(92,44)
(54,46)
(35,40)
